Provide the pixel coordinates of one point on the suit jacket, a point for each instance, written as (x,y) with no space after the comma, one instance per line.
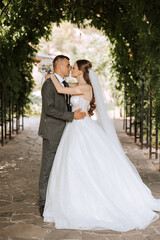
(54,112)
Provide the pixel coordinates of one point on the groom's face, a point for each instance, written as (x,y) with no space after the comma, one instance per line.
(65,67)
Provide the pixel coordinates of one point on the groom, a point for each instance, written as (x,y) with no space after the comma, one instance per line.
(53,121)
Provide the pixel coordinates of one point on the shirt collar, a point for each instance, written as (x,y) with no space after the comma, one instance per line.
(59,77)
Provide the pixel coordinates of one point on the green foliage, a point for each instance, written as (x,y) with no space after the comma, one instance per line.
(20,31)
(132,27)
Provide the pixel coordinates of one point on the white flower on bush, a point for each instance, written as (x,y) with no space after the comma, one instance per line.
(46,66)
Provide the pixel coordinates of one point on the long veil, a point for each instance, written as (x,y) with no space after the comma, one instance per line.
(105,121)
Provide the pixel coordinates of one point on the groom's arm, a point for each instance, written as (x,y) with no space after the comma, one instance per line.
(48,96)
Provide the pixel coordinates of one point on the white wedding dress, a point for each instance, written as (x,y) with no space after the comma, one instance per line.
(91,186)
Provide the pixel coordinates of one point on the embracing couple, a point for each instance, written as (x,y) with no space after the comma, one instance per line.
(86,180)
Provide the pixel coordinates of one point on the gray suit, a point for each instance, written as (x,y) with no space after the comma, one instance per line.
(53,121)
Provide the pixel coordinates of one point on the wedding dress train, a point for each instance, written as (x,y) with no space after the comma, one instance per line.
(91,186)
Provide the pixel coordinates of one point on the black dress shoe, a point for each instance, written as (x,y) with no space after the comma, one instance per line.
(41,210)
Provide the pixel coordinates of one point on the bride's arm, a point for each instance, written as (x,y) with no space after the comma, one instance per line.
(73,84)
(66,90)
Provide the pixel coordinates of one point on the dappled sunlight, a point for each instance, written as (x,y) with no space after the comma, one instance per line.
(7,164)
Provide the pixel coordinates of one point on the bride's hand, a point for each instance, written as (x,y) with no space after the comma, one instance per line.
(48,76)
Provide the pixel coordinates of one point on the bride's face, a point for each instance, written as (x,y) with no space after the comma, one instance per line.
(75,71)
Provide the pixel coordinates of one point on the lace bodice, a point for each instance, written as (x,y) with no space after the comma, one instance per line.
(79,102)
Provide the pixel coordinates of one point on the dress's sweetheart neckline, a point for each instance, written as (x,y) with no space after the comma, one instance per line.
(81,98)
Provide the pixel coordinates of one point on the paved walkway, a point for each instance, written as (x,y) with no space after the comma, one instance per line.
(19,172)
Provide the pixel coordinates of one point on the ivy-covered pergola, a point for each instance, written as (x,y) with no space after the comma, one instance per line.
(131,25)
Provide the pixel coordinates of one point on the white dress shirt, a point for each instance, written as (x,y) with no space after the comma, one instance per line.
(60,79)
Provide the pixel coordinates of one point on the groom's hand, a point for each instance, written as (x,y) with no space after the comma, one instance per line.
(78,114)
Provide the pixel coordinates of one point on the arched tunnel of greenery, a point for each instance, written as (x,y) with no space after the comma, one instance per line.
(133,29)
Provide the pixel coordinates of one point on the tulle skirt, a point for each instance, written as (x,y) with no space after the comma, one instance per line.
(93,186)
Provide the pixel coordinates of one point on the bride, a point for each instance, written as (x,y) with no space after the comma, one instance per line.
(92,184)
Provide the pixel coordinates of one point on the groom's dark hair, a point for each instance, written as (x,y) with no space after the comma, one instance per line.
(57,58)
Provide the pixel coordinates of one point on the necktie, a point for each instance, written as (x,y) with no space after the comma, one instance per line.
(67,97)
(64,83)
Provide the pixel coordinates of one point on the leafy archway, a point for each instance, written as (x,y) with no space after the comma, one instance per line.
(132,26)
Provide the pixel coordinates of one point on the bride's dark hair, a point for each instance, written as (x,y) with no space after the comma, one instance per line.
(84,66)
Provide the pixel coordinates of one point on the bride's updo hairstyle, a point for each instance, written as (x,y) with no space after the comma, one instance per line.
(85,66)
